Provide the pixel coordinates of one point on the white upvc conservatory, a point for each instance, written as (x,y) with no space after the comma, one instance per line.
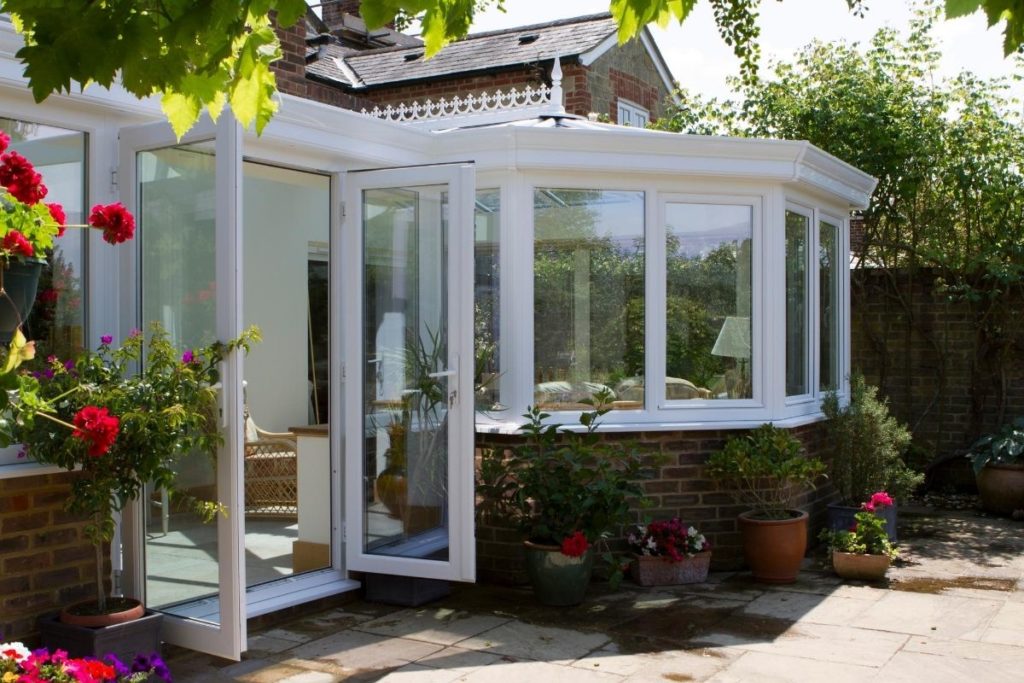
(417,283)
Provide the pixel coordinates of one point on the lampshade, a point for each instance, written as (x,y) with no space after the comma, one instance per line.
(734,338)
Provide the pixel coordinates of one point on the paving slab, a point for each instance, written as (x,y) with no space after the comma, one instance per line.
(1007,627)
(523,641)
(357,652)
(665,665)
(537,672)
(965,649)
(440,625)
(914,667)
(809,607)
(767,667)
(942,616)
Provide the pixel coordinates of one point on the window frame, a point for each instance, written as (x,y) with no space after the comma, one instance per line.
(810,303)
(841,235)
(634,110)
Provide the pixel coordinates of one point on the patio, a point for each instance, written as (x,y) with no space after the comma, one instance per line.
(953,610)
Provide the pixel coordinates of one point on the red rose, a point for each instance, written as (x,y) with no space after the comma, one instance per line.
(15,243)
(575,545)
(117,222)
(97,427)
(20,178)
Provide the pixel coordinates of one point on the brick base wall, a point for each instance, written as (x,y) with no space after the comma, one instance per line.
(45,559)
(680,488)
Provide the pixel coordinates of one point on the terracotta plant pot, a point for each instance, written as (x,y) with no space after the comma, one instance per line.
(659,571)
(83,613)
(774,548)
(860,567)
(392,489)
(1001,488)
(558,579)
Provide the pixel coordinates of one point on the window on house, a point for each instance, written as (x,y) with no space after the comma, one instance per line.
(631,114)
(797,307)
(829,304)
(588,297)
(486,299)
(708,301)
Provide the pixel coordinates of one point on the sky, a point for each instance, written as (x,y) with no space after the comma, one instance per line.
(701,62)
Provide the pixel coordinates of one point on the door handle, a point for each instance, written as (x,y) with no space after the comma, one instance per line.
(442,373)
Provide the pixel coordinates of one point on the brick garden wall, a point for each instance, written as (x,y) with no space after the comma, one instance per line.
(45,560)
(931,359)
(679,486)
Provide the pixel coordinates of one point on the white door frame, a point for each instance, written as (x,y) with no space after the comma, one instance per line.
(460,179)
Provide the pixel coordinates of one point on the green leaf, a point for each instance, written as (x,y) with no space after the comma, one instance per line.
(182,111)
(961,8)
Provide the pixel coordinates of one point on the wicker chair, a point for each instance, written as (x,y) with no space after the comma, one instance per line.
(271,471)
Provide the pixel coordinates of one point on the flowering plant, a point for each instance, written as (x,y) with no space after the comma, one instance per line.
(867,536)
(670,539)
(121,428)
(18,664)
(563,488)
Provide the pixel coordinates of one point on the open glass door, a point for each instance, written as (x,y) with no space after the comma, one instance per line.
(186,197)
(408,371)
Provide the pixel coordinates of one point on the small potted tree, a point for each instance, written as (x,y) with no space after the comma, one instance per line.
(768,470)
(120,429)
(867,445)
(998,462)
(863,551)
(567,491)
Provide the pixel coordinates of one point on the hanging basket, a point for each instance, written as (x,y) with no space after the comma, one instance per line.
(20,280)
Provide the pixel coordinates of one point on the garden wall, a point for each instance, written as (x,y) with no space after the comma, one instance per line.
(678,486)
(46,562)
(937,361)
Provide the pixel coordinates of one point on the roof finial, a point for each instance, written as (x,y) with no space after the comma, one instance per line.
(556,86)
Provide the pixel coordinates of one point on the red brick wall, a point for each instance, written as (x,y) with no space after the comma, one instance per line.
(45,560)
(680,488)
(634,89)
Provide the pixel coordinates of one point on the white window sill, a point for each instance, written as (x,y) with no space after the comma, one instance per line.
(27,469)
(609,425)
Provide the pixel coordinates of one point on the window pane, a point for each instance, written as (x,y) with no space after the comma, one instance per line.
(588,297)
(57,320)
(486,308)
(797,228)
(828,258)
(707,316)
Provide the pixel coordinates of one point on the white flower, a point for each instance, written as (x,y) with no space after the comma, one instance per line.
(14,650)
(692,531)
(632,539)
(652,544)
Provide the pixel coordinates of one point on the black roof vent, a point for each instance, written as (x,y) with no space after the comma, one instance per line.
(529,38)
(413,56)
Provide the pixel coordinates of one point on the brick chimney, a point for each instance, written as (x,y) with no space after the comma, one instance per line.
(332,10)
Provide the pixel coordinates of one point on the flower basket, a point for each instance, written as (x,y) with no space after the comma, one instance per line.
(648,570)
(860,567)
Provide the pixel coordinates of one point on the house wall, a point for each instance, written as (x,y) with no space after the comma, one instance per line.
(626,71)
(461,86)
(679,487)
(46,562)
(931,359)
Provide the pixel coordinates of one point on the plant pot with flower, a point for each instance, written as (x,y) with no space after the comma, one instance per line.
(768,470)
(121,417)
(668,553)
(998,463)
(867,446)
(567,491)
(863,552)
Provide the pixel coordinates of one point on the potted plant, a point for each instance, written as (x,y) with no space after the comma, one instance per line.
(668,553)
(120,429)
(567,491)
(863,551)
(867,446)
(768,470)
(998,461)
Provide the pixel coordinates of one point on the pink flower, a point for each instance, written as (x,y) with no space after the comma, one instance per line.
(5,140)
(188,357)
(575,545)
(116,221)
(882,499)
(106,339)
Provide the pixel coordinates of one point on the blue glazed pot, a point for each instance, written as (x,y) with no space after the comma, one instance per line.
(558,580)
(840,518)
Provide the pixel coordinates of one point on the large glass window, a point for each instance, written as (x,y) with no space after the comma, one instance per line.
(828,304)
(486,300)
(588,297)
(708,302)
(57,321)
(797,241)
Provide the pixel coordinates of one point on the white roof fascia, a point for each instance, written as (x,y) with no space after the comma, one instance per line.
(590,56)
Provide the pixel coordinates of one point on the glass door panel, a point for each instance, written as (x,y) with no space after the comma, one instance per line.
(409,458)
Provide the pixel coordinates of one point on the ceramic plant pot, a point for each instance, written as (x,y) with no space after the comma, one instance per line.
(860,567)
(20,282)
(1001,488)
(659,571)
(558,579)
(774,548)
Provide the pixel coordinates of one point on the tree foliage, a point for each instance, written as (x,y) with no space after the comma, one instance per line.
(203,54)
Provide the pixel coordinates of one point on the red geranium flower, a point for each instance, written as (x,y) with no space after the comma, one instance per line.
(5,140)
(57,213)
(117,222)
(575,545)
(97,427)
(20,178)
(15,243)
